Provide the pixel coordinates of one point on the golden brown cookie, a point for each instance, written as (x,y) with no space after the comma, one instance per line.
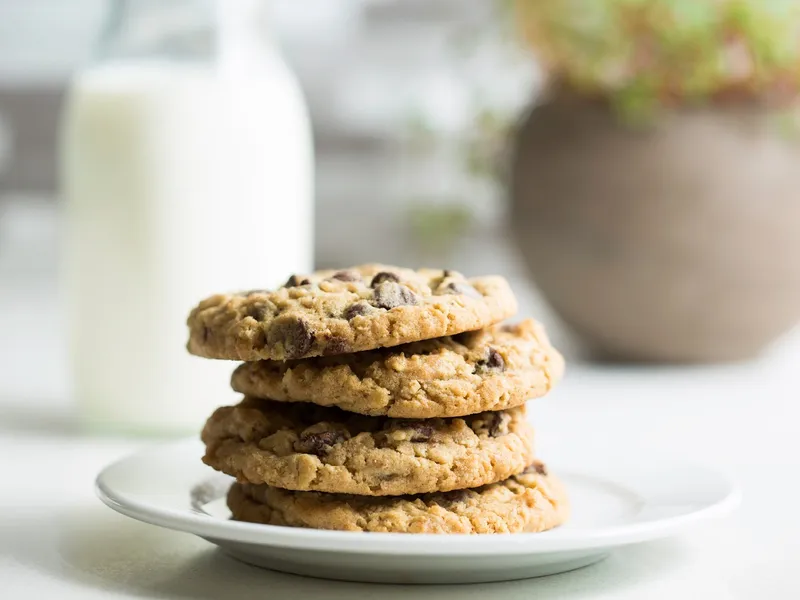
(312,448)
(530,502)
(490,369)
(338,312)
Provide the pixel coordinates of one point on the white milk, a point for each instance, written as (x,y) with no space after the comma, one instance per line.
(180,181)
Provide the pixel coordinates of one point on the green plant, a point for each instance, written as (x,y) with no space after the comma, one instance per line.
(437,225)
(643,55)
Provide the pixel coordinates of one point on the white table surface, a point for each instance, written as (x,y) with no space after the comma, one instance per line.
(58,541)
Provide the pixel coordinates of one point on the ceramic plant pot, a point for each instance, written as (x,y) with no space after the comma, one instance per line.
(679,242)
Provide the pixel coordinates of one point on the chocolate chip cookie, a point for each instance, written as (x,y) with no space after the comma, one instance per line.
(491,369)
(300,446)
(530,502)
(338,312)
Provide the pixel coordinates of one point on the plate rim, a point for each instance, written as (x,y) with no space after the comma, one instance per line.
(567,540)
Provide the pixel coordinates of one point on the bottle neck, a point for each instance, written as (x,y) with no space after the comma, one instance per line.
(199,30)
(240,32)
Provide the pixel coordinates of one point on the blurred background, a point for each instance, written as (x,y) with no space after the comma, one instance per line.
(630,166)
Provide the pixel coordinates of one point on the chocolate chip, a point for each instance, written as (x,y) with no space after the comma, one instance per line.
(448,273)
(358,309)
(390,294)
(421,431)
(318,443)
(493,362)
(462,288)
(498,424)
(336,345)
(295,335)
(295,281)
(536,467)
(347,276)
(206,333)
(257,311)
(383,276)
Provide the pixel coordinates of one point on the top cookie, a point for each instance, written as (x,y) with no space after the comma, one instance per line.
(339,312)
(494,368)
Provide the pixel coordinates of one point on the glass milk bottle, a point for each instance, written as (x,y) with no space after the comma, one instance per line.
(186,171)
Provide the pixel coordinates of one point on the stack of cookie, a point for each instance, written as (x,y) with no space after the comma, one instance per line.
(379,398)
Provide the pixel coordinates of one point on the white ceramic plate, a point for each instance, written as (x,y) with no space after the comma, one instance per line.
(614,503)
